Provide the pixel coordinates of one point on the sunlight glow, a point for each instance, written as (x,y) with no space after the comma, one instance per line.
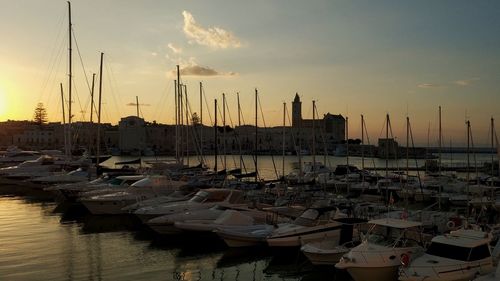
(3,103)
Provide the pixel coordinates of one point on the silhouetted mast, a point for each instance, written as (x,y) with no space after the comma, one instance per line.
(492,148)
(91,113)
(362,142)
(176,120)
(70,77)
(239,126)
(98,150)
(216,136)
(224,128)
(137,105)
(187,125)
(440,142)
(201,122)
(314,137)
(283,142)
(66,151)
(256,134)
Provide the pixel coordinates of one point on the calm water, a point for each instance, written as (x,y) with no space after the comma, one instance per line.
(270,167)
(42,241)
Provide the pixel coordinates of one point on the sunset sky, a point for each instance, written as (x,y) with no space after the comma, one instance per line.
(352,57)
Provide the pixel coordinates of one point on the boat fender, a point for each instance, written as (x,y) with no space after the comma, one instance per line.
(405,260)
(450,224)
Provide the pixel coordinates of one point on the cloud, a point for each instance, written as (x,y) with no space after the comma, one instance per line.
(176,50)
(466,82)
(135,104)
(214,37)
(196,70)
(154,54)
(429,86)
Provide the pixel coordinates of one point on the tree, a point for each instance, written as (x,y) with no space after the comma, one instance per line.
(195,120)
(40,115)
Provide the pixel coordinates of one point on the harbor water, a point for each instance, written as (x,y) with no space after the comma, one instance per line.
(40,240)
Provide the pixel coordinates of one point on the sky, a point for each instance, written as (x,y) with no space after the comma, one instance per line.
(402,58)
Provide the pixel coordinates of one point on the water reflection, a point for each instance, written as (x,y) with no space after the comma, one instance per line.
(64,242)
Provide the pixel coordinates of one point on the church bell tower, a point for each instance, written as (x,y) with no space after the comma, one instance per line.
(296,111)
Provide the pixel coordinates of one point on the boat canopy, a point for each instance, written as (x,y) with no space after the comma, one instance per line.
(464,238)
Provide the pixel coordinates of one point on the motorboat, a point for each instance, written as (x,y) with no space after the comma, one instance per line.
(314,224)
(379,255)
(244,236)
(307,173)
(149,187)
(165,224)
(461,255)
(329,251)
(29,168)
(17,156)
(78,175)
(183,194)
(228,218)
(203,199)
(197,217)
(494,276)
(103,185)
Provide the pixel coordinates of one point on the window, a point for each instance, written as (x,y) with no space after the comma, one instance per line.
(448,251)
(480,252)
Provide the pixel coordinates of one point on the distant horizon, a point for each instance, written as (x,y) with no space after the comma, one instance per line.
(445,145)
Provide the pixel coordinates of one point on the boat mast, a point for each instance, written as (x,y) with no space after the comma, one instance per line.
(387,147)
(91,112)
(137,105)
(256,134)
(98,150)
(314,138)
(64,122)
(178,134)
(362,143)
(440,142)
(492,148)
(407,159)
(181,120)
(468,165)
(283,143)
(201,122)
(387,157)
(187,124)
(347,153)
(224,128)
(70,78)
(347,141)
(427,148)
(176,121)
(216,137)
(239,126)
